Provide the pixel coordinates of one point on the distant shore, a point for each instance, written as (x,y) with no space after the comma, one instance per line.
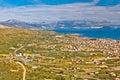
(94,33)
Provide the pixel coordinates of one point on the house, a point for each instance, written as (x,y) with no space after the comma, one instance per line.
(34,66)
(19,55)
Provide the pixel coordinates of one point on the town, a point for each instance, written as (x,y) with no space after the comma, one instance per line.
(48,55)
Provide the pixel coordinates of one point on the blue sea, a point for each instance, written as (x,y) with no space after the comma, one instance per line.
(106,33)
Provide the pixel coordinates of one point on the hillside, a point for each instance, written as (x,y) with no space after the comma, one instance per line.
(2,26)
(47,55)
(10,37)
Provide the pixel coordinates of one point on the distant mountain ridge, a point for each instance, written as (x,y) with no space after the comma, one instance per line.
(26,25)
(73,24)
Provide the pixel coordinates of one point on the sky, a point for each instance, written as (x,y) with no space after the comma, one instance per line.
(57,10)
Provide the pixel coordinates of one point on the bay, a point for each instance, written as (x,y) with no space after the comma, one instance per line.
(106,33)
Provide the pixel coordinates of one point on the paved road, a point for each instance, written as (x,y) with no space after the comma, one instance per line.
(24,69)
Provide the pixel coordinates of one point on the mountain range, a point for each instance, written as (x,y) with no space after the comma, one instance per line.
(73,24)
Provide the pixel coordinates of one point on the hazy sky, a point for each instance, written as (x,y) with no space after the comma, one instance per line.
(54,10)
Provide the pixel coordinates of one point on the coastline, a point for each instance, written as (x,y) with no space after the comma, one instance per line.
(92,34)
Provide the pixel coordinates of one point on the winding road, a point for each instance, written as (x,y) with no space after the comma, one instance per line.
(24,69)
